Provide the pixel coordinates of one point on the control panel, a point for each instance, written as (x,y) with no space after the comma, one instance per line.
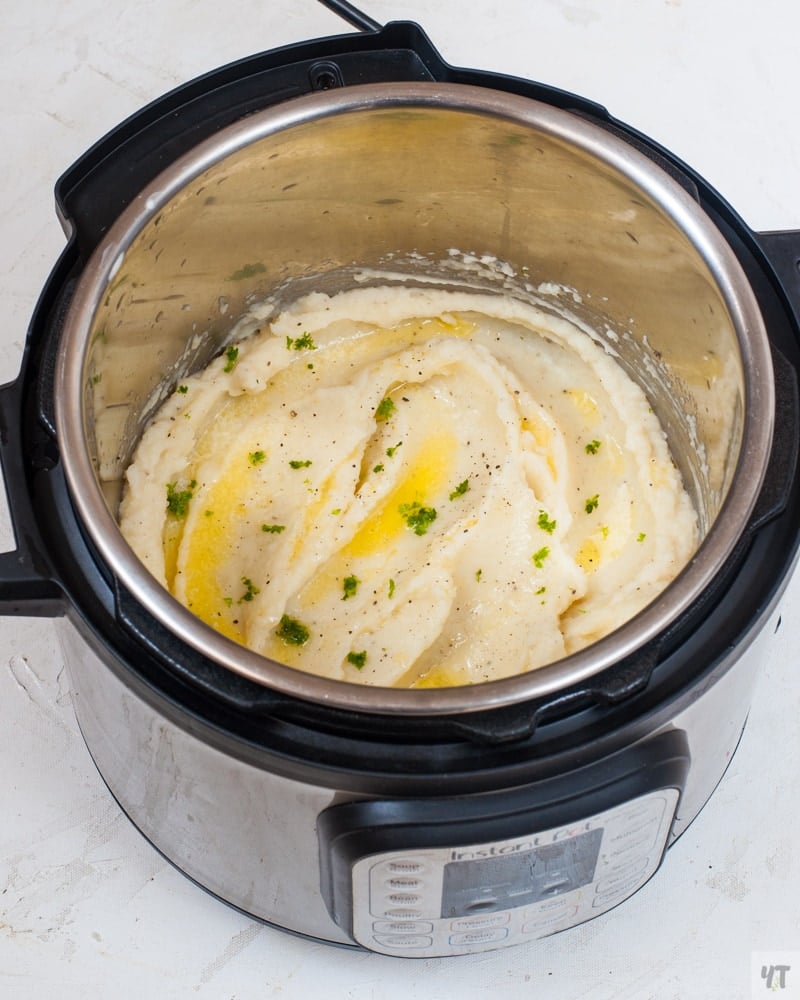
(449,901)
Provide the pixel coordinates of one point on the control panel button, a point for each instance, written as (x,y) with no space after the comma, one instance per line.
(403,883)
(403,941)
(403,927)
(404,866)
(473,938)
(549,920)
(403,898)
(401,914)
(479,921)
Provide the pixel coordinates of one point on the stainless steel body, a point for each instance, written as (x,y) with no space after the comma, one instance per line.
(248,833)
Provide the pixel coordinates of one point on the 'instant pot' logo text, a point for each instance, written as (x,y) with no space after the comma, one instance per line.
(520,846)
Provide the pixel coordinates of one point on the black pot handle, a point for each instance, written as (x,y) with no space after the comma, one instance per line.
(27,583)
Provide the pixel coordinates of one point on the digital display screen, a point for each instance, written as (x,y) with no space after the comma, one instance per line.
(488,878)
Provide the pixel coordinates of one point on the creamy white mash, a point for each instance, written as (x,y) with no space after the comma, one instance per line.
(409,487)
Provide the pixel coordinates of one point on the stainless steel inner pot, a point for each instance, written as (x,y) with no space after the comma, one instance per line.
(462,185)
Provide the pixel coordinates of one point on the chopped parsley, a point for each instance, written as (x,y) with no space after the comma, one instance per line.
(593,447)
(417,517)
(358,659)
(540,556)
(541,590)
(378,467)
(385,409)
(545,523)
(390,451)
(297,463)
(256,457)
(178,500)
(182,389)
(460,490)
(304,343)
(232,356)
(273,529)
(350,586)
(250,590)
(391,588)
(248,271)
(478,575)
(592,503)
(292,631)
(641,537)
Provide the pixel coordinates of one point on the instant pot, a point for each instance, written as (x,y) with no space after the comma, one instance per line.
(416,822)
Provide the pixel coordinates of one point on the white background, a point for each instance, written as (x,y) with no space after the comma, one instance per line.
(87,908)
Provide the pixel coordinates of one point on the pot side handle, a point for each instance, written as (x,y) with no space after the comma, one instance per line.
(27,584)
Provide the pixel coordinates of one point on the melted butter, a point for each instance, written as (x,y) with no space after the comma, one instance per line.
(440,677)
(427,474)
(209,544)
(588,555)
(585,404)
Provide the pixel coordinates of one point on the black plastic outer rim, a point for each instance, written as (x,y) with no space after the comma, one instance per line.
(351,752)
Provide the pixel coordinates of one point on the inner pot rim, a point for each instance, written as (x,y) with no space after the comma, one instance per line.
(607,149)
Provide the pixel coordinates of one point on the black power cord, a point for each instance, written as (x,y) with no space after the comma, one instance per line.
(352,15)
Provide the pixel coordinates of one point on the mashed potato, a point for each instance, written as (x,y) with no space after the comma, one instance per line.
(412,488)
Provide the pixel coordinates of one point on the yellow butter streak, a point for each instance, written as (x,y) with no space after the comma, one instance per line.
(209,546)
(427,475)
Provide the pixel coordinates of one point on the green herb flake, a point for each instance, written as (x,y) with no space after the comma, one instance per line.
(592,503)
(460,490)
(292,631)
(250,590)
(273,529)
(417,517)
(350,586)
(478,575)
(297,463)
(336,510)
(378,467)
(390,451)
(540,556)
(248,271)
(182,389)
(593,447)
(545,523)
(304,343)
(257,457)
(391,588)
(641,536)
(232,356)
(178,500)
(541,590)
(357,659)
(385,409)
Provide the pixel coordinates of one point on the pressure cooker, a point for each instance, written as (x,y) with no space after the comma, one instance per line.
(409,822)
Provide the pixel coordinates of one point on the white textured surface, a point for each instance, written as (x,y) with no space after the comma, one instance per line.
(87,909)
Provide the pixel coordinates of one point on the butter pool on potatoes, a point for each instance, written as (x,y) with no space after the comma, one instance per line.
(409,487)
